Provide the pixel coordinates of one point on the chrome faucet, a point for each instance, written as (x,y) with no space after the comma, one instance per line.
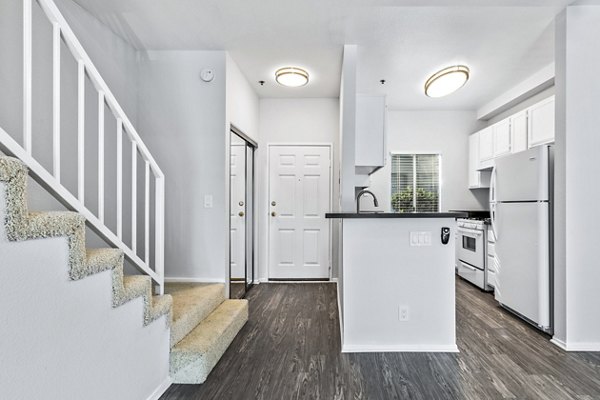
(360,194)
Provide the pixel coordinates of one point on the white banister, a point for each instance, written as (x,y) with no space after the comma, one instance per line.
(27,68)
(81,131)
(159,229)
(147,213)
(101,155)
(134,197)
(150,263)
(56,99)
(120,178)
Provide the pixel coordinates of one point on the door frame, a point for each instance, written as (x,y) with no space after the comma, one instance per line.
(253,254)
(329,146)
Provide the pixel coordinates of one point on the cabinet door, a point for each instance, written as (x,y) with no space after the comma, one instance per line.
(518,126)
(486,144)
(474,160)
(541,122)
(501,137)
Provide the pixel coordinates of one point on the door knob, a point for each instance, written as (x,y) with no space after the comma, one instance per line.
(241,213)
(273,214)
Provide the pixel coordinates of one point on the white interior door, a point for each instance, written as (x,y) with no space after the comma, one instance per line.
(238,210)
(299,197)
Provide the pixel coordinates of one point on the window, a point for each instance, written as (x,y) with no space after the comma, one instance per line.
(420,171)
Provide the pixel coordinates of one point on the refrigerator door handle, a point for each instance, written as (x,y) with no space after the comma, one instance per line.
(493,186)
(493,211)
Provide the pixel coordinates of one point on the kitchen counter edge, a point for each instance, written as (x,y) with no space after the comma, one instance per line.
(397,215)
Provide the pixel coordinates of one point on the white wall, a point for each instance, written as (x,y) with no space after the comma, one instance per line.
(183,122)
(444,132)
(242,109)
(347,130)
(62,339)
(292,121)
(577,298)
(242,101)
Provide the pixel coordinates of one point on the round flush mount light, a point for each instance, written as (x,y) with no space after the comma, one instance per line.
(447,81)
(291,76)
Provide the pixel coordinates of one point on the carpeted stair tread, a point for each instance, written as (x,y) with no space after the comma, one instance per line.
(98,260)
(141,286)
(195,356)
(192,302)
(161,305)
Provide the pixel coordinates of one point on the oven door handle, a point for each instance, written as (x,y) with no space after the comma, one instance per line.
(470,231)
(467,267)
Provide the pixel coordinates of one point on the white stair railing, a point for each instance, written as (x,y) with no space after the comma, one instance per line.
(141,258)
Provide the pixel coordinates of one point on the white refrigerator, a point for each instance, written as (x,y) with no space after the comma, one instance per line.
(521,217)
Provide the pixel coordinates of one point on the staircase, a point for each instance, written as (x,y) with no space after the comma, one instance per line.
(203,323)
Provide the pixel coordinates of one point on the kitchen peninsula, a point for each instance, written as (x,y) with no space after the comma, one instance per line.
(396,281)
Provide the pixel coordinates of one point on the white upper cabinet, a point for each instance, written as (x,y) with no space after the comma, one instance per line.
(477,179)
(502,137)
(525,129)
(486,144)
(541,122)
(371,146)
(519,129)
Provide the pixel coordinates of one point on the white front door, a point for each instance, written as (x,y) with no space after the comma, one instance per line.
(238,211)
(299,197)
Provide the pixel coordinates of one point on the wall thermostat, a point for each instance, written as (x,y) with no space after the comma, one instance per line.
(207,75)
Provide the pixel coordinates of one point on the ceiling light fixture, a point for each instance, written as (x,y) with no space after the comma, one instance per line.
(447,81)
(291,76)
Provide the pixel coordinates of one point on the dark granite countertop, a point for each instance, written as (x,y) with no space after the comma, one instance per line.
(396,215)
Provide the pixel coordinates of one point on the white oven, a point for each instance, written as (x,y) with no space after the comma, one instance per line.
(471,252)
(471,247)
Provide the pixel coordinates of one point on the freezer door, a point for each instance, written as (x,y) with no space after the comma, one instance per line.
(522,255)
(522,176)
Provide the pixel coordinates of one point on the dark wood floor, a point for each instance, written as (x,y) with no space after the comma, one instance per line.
(290,349)
(237,290)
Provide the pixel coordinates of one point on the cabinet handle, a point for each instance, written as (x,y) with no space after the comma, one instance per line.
(241,213)
(273,214)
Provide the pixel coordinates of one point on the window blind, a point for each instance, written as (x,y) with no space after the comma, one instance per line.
(415,182)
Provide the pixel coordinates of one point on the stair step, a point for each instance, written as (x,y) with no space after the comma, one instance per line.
(195,356)
(192,302)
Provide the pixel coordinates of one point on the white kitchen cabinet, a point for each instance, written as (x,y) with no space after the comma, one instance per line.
(519,129)
(486,144)
(371,124)
(541,122)
(501,136)
(477,179)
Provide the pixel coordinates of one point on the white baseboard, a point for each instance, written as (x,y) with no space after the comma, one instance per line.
(417,348)
(339,307)
(193,280)
(161,389)
(575,346)
(559,343)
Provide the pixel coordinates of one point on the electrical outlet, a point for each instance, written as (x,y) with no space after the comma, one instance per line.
(418,239)
(403,313)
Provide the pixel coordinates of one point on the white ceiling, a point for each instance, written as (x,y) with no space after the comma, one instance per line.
(402,41)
